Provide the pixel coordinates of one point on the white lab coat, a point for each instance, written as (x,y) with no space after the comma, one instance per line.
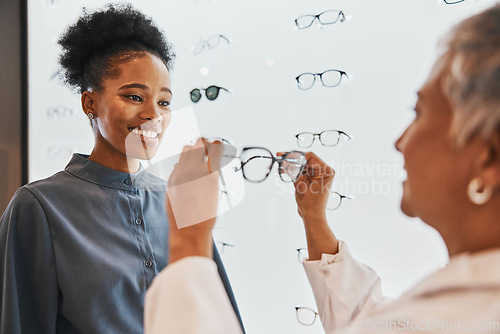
(463,297)
(188,297)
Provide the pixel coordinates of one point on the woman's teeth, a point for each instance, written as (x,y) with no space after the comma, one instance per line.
(149,134)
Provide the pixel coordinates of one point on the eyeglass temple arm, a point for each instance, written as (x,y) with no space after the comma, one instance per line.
(345,134)
(343,16)
(225,38)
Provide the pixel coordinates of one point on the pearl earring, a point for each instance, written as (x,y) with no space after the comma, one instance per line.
(90,116)
(476,196)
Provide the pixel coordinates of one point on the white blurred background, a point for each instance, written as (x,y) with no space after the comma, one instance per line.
(386,47)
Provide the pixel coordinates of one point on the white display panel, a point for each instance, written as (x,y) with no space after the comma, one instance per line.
(386,47)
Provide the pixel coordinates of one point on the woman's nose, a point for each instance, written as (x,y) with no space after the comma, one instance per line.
(157,119)
(399,144)
(152,113)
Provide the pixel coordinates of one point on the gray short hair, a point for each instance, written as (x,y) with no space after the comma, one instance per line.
(472,81)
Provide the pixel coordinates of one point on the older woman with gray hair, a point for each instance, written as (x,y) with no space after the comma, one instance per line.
(452,158)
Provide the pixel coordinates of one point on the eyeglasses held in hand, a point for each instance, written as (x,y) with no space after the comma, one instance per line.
(257,162)
(335,200)
(211,92)
(329,78)
(228,152)
(305,315)
(324,18)
(209,43)
(326,138)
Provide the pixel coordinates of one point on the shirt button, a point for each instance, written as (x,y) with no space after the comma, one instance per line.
(148,264)
(128,182)
(138,221)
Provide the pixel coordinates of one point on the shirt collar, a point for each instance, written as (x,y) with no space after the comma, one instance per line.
(80,166)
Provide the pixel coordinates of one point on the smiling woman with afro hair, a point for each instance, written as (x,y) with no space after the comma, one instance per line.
(80,248)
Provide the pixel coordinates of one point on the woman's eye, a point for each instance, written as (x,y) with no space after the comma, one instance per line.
(164,103)
(136,98)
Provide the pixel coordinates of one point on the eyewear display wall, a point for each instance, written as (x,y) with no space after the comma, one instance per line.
(358,74)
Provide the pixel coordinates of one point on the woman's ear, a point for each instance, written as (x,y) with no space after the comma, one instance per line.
(491,163)
(88,103)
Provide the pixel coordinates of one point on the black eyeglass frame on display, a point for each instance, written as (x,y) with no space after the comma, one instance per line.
(319,136)
(313,18)
(320,75)
(274,159)
(211,93)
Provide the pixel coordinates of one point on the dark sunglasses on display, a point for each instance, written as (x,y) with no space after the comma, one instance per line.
(211,92)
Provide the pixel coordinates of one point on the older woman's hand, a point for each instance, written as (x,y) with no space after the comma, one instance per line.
(312,190)
(192,198)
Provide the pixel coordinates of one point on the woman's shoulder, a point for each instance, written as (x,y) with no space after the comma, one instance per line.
(59,180)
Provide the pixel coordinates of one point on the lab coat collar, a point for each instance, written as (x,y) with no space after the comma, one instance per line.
(480,270)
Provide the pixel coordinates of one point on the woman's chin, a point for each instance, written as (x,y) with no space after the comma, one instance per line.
(142,148)
(141,152)
(407,207)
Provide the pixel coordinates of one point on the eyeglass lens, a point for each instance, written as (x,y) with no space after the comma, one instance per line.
(212,92)
(329,138)
(451,2)
(195,95)
(257,163)
(214,41)
(291,166)
(329,17)
(305,139)
(305,315)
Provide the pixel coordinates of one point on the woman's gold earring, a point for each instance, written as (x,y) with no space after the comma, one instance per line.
(90,116)
(476,196)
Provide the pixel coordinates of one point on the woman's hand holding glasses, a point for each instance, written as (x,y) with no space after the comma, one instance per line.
(192,199)
(312,192)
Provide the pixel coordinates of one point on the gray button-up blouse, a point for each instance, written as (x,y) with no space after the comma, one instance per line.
(79,249)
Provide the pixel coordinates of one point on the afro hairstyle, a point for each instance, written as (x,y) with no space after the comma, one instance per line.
(98,42)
